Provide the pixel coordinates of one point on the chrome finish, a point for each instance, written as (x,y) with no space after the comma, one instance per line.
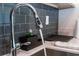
(38,25)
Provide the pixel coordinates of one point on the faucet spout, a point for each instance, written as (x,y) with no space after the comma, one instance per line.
(37,20)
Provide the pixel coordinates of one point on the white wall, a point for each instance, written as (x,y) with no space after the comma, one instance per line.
(67,21)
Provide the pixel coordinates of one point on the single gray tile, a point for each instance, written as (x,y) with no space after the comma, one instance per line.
(39,11)
(19,19)
(32,26)
(31,19)
(1,42)
(43,12)
(7,16)
(7,29)
(16,28)
(27,19)
(24,10)
(53,19)
(1,30)
(24,27)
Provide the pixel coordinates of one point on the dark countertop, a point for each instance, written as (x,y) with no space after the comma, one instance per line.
(36,42)
(59,38)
